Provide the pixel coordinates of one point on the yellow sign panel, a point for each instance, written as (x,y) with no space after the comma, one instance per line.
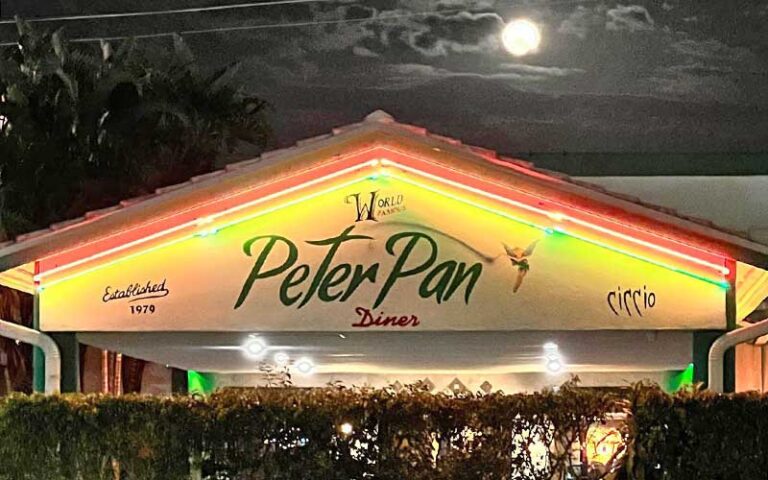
(381,254)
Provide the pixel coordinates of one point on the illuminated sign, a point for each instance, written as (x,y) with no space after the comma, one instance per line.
(355,257)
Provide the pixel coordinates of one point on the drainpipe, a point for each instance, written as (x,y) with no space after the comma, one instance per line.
(50,350)
(722,344)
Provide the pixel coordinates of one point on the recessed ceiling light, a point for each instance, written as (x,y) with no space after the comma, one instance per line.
(255,348)
(305,366)
(281,358)
(554,365)
(346,428)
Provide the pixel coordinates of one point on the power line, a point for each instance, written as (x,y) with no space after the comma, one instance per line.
(149,13)
(266,26)
(245,27)
(214,8)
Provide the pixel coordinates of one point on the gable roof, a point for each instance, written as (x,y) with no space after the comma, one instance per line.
(377,130)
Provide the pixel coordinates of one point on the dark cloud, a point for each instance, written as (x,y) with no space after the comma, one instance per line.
(629,17)
(463,32)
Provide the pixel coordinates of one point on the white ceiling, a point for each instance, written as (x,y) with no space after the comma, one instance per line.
(410,352)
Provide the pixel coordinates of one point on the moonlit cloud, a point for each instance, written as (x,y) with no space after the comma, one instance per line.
(538,70)
(463,32)
(516,73)
(626,74)
(582,21)
(629,17)
(361,51)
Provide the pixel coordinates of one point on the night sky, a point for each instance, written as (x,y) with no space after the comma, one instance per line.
(650,76)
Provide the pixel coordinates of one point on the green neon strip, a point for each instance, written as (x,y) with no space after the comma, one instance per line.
(205,233)
(722,284)
(287,204)
(681,379)
(548,230)
(471,204)
(384,175)
(200,383)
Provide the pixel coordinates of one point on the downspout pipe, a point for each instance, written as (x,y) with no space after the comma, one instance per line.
(722,344)
(14,331)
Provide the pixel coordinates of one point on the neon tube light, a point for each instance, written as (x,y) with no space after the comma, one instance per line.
(546,200)
(549,230)
(208,222)
(559,216)
(407,157)
(207,219)
(159,225)
(718,282)
(373,163)
(193,235)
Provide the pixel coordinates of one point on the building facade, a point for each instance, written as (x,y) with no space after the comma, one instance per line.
(383,255)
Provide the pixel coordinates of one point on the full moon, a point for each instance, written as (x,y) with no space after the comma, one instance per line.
(521,37)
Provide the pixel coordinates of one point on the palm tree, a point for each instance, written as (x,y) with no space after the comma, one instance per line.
(88,126)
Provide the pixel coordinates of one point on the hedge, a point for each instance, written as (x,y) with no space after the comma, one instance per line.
(336,433)
(698,435)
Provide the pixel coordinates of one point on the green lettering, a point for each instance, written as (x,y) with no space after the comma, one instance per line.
(289,281)
(256,272)
(474,271)
(357,278)
(335,243)
(443,273)
(399,271)
(329,282)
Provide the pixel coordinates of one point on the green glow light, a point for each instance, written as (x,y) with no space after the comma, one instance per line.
(681,379)
(200,383)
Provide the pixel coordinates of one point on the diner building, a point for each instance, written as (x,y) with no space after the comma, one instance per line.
(379,255)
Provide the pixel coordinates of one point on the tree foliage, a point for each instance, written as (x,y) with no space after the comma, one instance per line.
(84,126)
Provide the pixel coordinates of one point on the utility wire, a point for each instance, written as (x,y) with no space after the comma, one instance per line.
(264,26)
(150,13)
(240,28)
(213,8)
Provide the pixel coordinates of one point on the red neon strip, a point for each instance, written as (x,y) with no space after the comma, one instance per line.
(566,212)
(189,233)
(186,218)
(241,199)
(696,270)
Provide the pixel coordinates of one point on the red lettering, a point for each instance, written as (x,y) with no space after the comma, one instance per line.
(367,319)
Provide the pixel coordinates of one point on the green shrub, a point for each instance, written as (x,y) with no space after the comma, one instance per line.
(289,433)
(698,435)
(297,434)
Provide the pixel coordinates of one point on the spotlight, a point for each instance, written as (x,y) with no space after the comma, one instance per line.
(305,366)
(553,361)
(281,359)
(554,365)
(255,348)
(346,428)
(551,347)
